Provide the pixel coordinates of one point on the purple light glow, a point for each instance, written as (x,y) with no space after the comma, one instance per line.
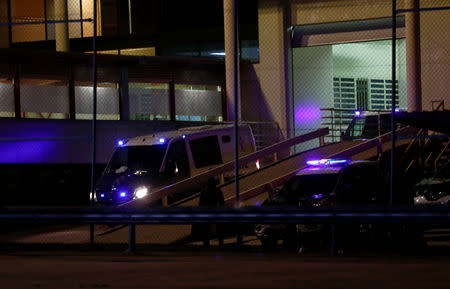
(327,162)
(307,114)
(357,113)
(317,196)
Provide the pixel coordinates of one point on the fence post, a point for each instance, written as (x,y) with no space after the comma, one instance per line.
(132,239)
(332,239)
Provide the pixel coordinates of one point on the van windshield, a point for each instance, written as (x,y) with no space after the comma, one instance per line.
(137,160)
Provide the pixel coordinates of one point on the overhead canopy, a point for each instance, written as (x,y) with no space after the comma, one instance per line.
(348,31)
(433,120)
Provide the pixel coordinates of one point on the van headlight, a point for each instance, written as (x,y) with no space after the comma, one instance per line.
(141,192)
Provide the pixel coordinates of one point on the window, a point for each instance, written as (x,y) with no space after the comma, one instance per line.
(381,94)
(149,101)
(177,161)
(206,151)
(107,101)
(44,98)
(198,102)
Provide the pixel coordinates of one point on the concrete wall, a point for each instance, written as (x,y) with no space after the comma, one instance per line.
(435,53)
(371,60)
(68,141)
(263,84)
(312,88)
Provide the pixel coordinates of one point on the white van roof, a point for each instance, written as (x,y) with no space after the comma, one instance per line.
(165,136)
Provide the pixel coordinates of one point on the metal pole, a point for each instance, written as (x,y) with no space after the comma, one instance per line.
(94,115)
(9,24)
(132,239)
(236,109)
(332,239)
(394,64)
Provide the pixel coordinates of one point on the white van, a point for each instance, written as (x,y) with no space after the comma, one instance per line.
(146,163)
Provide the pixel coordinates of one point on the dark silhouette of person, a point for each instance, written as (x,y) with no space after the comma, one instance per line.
(210,196)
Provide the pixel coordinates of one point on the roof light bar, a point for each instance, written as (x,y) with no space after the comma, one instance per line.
(162,140)
(327,162)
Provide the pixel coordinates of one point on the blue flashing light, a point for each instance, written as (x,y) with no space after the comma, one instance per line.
(327,162)
(317,196)
(335,162)
(120,143)
(102,195)
(184,136)
(357,113)
(162,140)
(123,194)
(397,110)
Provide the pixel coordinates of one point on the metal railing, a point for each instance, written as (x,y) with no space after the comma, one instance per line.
(245,215)
(203,177)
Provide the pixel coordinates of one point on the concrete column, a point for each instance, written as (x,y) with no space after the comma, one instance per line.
(61,29)
(229,30)
(413,67)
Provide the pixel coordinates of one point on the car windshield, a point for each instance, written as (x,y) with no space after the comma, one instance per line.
(315,185)
(137,160)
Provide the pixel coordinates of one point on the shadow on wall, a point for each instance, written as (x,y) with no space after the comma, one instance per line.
(254,104)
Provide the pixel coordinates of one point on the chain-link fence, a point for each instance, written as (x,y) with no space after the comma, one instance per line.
(315,96)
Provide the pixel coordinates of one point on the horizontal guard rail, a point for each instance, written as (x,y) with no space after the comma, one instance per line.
(347,153)
(247,215)
(202,178)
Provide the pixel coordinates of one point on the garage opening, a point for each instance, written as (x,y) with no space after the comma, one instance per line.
(335,74)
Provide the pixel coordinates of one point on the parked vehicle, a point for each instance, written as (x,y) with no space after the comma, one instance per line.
(143,164)
(324,183)
(367,125)
(434,191)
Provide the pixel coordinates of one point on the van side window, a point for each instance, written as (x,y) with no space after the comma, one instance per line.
(177,160)
(206,151)
(226,138)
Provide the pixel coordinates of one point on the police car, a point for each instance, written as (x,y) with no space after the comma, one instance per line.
(325,182)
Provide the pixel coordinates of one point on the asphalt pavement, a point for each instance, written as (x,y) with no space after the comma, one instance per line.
(218,270)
